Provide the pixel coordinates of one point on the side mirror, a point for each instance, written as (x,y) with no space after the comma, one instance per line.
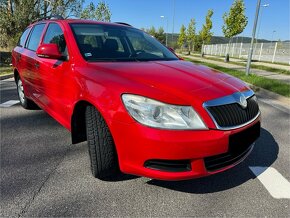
(171,49)
(49,51)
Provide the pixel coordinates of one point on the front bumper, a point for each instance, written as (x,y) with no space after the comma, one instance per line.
(137,145)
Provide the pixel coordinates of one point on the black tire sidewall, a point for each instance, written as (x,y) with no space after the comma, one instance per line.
(102,151)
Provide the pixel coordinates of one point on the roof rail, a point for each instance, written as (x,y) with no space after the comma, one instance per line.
(126,24)
(56,17)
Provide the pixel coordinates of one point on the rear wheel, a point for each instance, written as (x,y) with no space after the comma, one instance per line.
(103,155)
(24,101)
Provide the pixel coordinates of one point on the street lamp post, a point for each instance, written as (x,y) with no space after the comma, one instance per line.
(274,31)
(163,17)
(253,38)
(259,25)
(262,6)
(173,19)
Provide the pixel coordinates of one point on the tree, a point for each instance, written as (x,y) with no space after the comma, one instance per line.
(88,12)
(65,8)
(235,21)
(205,33)
(198,43)
(151,31)
(160,35)
(191,35)
(182,36)
(101,12)
(16,15)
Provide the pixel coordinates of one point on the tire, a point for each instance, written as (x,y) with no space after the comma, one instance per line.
(102,151)
(24,101)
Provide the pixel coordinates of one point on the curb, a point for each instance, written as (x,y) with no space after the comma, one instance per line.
(271,95)
(6,76)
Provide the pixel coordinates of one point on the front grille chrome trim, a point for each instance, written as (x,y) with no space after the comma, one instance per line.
(229,99)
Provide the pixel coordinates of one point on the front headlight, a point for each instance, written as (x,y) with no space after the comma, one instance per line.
(160,115)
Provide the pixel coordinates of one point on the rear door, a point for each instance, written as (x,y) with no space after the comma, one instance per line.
(18,56)
(30,61)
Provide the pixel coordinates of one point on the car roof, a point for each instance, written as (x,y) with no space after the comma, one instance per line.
(80,21)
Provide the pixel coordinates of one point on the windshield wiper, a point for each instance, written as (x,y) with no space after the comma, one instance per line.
(135,59)
(112,59)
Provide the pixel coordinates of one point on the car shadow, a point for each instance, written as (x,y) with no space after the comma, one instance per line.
(8,91)
(264,154)
(119,177)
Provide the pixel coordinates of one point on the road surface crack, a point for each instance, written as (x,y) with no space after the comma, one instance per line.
(28,204)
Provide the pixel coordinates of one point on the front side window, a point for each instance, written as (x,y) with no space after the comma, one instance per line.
(54,34)
(34,38)
(98,42)
(23,37)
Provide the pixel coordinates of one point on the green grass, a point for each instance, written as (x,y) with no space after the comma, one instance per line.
(266,68)
(243,59)
(5,71)
(265,83)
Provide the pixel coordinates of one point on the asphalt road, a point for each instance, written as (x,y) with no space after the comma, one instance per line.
(42,174)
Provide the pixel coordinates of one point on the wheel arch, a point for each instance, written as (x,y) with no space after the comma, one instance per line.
(78,122)
(16,75)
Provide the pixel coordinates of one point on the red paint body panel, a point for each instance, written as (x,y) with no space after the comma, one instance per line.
(139,143)
(57,86)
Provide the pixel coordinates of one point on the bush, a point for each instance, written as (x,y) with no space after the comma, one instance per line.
(5,58)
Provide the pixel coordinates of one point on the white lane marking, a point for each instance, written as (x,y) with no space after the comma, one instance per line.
(273,181)
(6,81)
(9,103)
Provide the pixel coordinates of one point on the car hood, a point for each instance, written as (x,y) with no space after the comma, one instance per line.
(180,78)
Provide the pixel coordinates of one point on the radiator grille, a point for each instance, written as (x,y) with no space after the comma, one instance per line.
(230,115)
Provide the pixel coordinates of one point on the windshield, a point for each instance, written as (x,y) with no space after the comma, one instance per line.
(99,42)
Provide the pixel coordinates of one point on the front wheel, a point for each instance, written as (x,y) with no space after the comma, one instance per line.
(102,151)
(24,101)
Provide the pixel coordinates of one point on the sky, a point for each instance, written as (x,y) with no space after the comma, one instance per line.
(273,21)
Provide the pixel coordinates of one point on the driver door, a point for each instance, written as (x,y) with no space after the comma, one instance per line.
(56,89)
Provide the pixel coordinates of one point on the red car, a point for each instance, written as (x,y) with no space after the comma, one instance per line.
(142,110)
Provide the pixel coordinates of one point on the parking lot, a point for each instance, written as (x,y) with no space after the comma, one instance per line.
(43,174)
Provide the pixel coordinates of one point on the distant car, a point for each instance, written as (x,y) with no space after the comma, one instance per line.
(142,110)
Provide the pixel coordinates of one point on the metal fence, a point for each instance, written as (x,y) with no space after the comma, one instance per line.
(276,52)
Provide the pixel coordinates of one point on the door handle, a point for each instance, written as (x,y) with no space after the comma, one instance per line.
(36,64)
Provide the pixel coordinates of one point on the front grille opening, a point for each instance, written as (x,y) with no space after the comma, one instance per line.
(240,144)
(169,165)
(231,115)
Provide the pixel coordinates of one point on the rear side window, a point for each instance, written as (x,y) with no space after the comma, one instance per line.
(54,34)
(23,37)
(34,38)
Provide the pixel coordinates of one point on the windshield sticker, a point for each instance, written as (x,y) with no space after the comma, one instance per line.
(88,54)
